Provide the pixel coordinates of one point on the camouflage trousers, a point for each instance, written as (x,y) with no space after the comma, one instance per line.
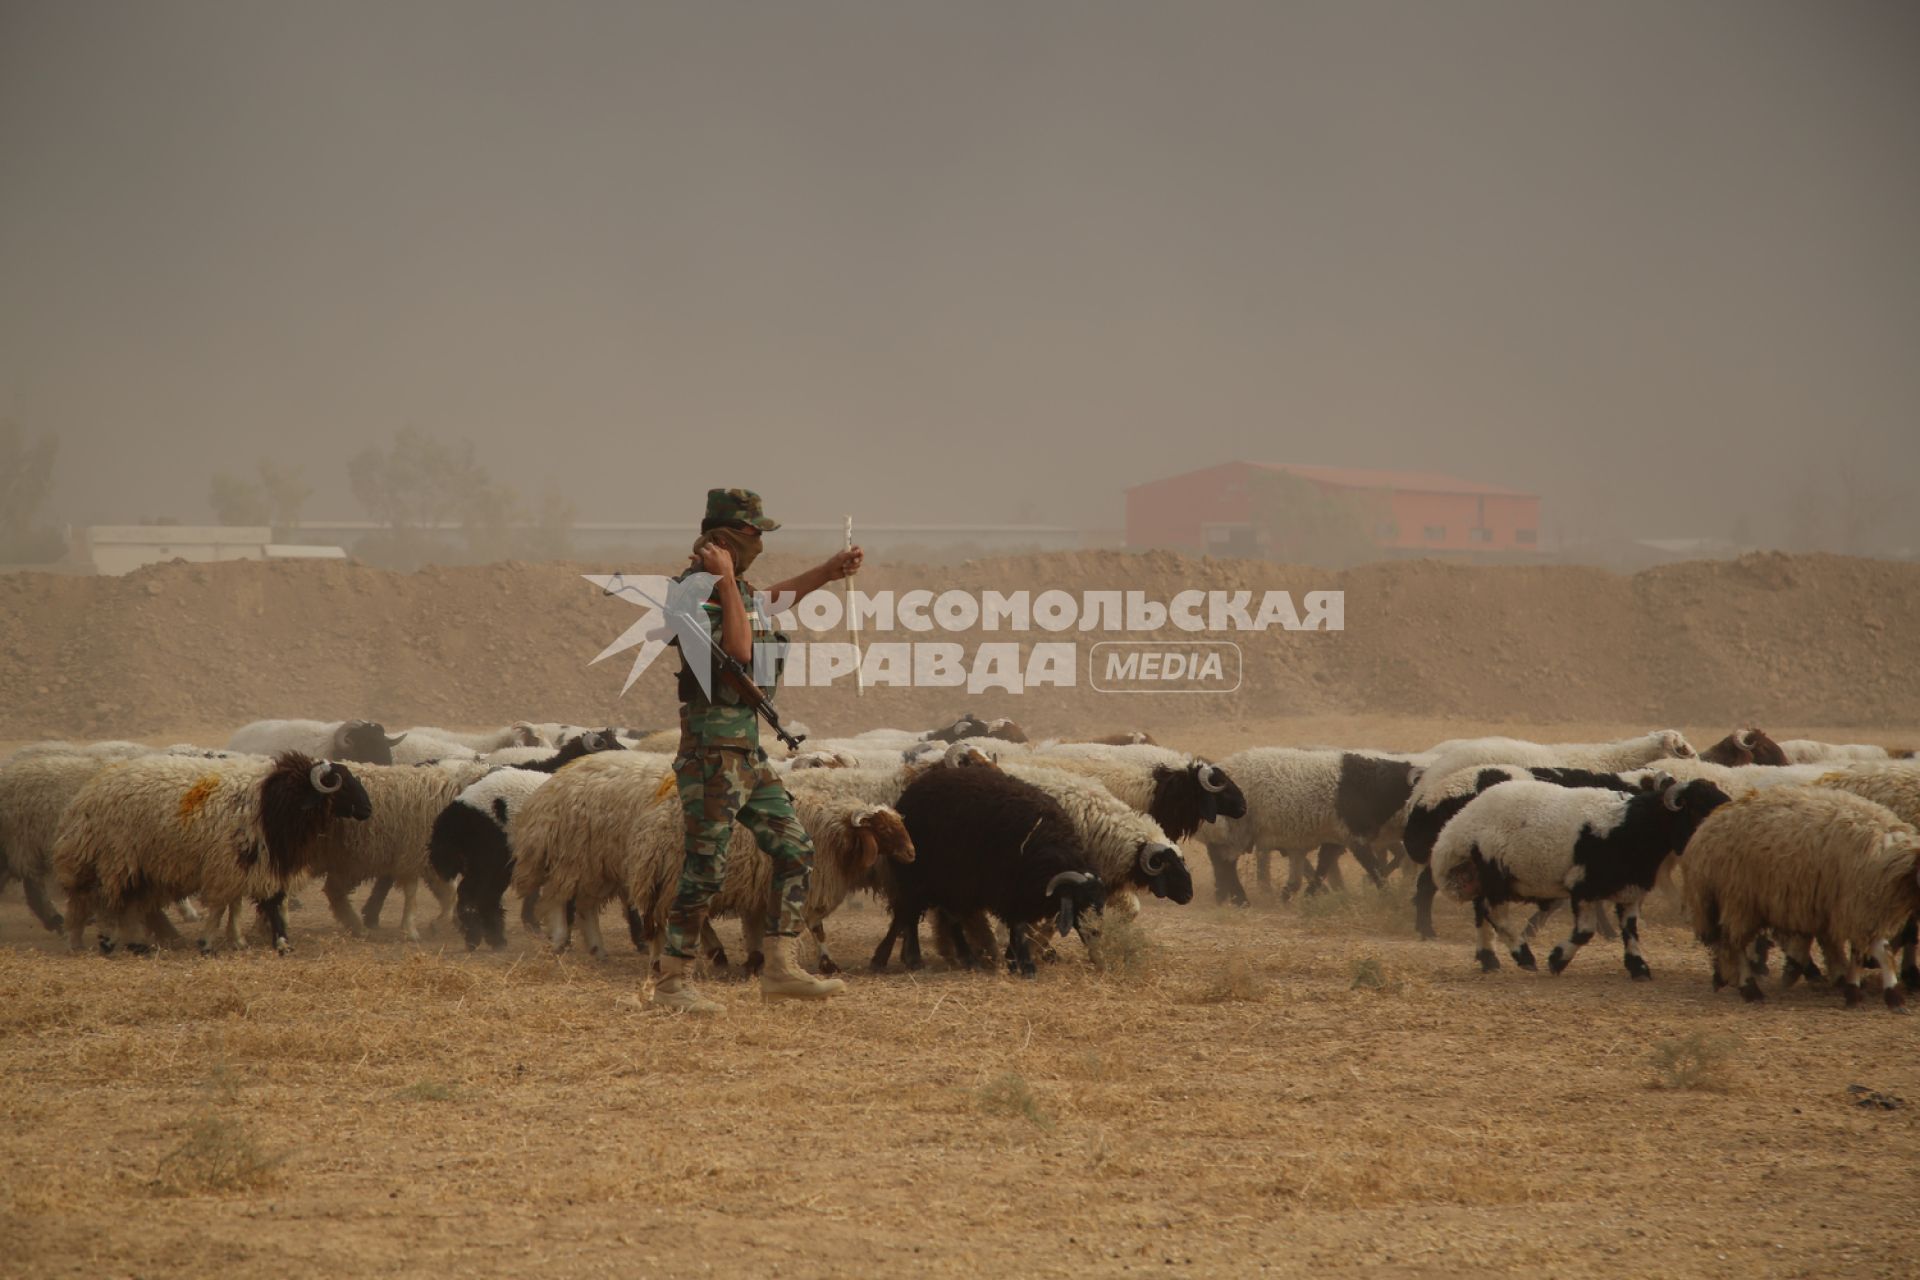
(718,787)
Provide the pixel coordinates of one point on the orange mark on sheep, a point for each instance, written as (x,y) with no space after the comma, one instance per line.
(197,796)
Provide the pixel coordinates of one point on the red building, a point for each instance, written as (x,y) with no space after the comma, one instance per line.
(1236,509)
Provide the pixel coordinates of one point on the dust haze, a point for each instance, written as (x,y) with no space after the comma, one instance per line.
(986,262)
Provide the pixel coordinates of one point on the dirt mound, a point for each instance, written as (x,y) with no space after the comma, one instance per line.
(1769,638)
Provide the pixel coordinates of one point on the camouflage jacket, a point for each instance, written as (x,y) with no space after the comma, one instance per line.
(723,719)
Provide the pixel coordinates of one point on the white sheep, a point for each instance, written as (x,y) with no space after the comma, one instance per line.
(573,837)
(518,734)
(1541,842)
(1895,787)
(361,741)
(35,790)
(1810,751)
(850,838)
(158,828)
(1299,800)
(1803,862)
(394,845)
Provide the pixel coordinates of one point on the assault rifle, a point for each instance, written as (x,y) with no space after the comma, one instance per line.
(730,667)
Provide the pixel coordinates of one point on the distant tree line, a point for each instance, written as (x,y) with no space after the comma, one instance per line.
(436,502)
(26,479)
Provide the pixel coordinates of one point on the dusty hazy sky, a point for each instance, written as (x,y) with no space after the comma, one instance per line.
(967,260)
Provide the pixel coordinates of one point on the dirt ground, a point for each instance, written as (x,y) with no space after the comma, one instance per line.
(1293,1089)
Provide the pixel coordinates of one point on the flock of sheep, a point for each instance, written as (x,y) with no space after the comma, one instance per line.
(1786,844)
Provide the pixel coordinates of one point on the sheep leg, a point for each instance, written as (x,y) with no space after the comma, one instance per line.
(1019,953)
(637,930)
(1797,961)
(1736,957)
(1541,913)
(409,890)
(910,944)
(1370,862)
(274,912)
(1483,924)
(216,922)
(189,911)
(443,894)
(1850,979)
(530,910)
(1563,954)
(1263,870)
(1500,913)
(824,960)
(80,906)
(1424,890)
(1636,960)
(963,957)
(370,914)
(1909,943)
(38,903)
(338,890)
(753,937)
(556,923)
(883,953)
(1326,873)
(1889,981)
(1296,876)
(588,915)
(713,949)
(1226,876)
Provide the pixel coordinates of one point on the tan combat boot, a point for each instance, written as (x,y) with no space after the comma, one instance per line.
(782,979)
(673,991)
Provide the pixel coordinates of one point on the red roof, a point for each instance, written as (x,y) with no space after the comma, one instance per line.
(1403,481)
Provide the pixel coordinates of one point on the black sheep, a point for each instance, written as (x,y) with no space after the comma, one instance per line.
(996,844)
(469,844)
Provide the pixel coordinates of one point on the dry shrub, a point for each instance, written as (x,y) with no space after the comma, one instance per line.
(1388,909)
(427,1091)
(1698,1063)
(1235,981)
(1123,949)
(1010,1095)
(1369,974)
(217,1155)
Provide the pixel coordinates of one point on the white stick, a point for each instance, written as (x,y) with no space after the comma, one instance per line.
(853,626)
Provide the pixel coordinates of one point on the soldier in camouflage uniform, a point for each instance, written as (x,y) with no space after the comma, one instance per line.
(723,774)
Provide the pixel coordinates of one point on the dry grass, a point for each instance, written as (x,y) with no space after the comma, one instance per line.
(1698,1062)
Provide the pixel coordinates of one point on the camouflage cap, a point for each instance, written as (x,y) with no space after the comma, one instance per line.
(742,505)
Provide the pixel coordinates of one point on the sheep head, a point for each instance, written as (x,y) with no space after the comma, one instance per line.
(878,831)
(1081,896)
(1164,871)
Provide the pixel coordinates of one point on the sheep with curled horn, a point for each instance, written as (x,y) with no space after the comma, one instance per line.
(986,841)
(1181,792)
(153,830)
(1127,848)
(1744,747)
(350,741)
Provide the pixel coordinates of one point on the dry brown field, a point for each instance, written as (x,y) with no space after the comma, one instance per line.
(1298,1088)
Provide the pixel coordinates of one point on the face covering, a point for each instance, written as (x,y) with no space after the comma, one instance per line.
(737,543)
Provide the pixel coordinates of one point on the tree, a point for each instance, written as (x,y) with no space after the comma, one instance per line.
(286,492)
(238,501)
(26,480)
